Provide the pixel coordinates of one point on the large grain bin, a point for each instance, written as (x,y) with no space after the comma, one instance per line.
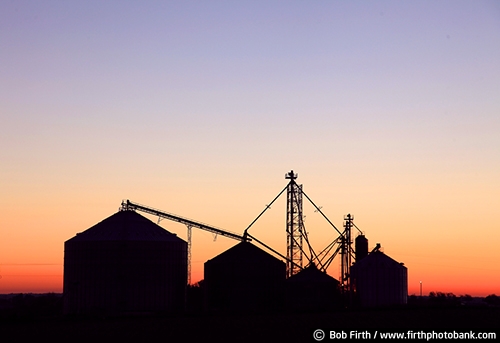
(378,280)
(312,290)
(244,278)
(126,263)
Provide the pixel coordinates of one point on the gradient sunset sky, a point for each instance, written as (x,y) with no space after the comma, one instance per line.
(388,110)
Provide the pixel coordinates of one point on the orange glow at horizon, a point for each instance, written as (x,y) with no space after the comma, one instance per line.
(441,263)
(48,278)
(32,278)
(435,275)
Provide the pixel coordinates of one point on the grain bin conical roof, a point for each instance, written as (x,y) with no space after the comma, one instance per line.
(125,226)
(311,273)
(377,259)
(245,251)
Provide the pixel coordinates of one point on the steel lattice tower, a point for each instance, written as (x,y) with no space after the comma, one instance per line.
(294,225)
(346,253)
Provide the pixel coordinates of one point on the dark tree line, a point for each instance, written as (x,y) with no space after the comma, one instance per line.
(441,299)
(31,305)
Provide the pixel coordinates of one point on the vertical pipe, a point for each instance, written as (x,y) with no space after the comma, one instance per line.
(189,254)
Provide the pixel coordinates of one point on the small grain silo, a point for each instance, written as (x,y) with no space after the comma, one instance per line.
(312,290)
(378,280)
(124,264)
(361,247)
(244,278)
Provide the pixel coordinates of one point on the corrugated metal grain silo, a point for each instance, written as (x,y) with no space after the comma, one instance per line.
(124,264)
(379,280)
(312,290)
(244,278)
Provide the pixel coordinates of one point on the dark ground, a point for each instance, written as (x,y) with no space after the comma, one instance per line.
(278,327)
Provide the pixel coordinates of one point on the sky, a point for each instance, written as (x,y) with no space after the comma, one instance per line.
(387,110)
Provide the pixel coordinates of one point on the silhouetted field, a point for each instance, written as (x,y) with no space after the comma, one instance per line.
(277,327)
